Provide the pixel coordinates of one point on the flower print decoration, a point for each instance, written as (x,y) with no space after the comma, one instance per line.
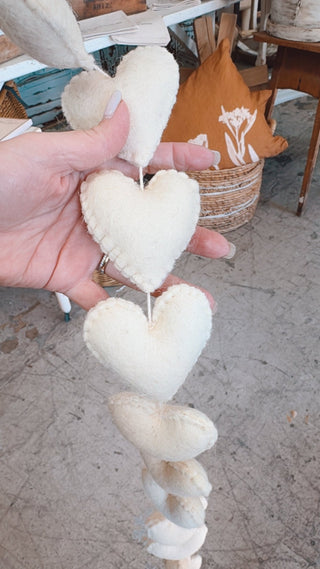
(239,122)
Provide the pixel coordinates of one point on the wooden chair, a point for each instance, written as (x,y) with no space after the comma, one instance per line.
(255,77)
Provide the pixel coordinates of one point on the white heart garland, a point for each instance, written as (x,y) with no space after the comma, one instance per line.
(143,233)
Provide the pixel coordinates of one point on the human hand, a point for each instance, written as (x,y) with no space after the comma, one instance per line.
(43,239)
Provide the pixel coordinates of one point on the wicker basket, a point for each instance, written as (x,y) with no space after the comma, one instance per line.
(11,105)
(228,197)
(104,280)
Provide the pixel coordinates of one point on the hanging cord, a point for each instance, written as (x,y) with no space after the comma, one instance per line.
(148,293)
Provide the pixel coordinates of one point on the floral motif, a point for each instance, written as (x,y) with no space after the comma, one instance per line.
(239,122)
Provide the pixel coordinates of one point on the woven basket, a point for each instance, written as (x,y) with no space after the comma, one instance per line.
(11,105)
(104,280)
(228,197)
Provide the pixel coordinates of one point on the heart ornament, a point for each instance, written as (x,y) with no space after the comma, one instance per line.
(167,432)
(154,358)
(143,232)
(148,78)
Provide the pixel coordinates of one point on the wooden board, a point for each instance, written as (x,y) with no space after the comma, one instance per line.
(89,8)
(256,76)
(227,28)
(204,34)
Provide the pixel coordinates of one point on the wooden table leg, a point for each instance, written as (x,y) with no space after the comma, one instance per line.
(274,81)
(311,160)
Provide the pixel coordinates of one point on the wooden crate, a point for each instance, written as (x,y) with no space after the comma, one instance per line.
(89,8)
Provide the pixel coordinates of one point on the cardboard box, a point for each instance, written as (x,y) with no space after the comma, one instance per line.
(89,8)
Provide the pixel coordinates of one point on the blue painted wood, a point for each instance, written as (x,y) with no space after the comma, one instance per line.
(41,93)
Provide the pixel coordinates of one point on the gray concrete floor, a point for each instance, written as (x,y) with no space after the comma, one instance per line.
(70,488)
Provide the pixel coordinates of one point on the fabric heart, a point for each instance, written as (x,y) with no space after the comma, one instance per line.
(148,78)
(186,478)
(155,357)
(187,512)
(168,432)
(143,232)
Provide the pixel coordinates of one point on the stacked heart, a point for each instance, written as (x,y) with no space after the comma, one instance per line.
(143,233)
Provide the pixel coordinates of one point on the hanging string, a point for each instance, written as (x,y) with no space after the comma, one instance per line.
(149,307)
(148,293)
(141,178)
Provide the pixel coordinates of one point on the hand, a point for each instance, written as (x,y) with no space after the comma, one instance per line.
(43,239)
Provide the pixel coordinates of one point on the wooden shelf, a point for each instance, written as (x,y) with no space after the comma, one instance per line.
(24,64)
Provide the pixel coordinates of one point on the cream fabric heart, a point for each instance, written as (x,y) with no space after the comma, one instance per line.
(48,31)
(182,551)
(186,478)
(187,512)
(167,432)
(156,357)
(161,530)
(148,78)
(143,232)
(193,562)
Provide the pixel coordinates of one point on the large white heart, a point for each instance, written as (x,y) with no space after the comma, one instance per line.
(155,357)
(143,232)
(148,78)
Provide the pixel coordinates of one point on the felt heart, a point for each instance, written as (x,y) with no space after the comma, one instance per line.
(143,232)
(161,530)
(168,432)
(148,78)
(155,357)
(186,478)
(187,512)
(180,551)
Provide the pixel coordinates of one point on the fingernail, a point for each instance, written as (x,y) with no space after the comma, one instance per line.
(113,104)
(232,251)
(216,157)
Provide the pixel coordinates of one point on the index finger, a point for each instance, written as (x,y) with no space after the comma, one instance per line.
(182,156)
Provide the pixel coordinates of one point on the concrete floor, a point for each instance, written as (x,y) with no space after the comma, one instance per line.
(70,487)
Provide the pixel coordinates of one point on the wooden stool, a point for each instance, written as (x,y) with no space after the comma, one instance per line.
(297,66)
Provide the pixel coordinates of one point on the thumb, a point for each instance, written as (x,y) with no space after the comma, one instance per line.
(88,149)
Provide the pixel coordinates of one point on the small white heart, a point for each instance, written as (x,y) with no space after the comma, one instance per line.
(148,78)
(168,432)
(179,552)
(155,358)
(143,232)
(186,478)
(187,512)
(161,530)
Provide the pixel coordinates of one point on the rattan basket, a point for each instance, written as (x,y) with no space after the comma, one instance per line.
(229,197)
(11,105)
(104,280)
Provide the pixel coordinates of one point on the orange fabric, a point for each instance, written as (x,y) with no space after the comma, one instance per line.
(216,101)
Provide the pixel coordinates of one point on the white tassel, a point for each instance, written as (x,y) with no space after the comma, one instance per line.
(47,31)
